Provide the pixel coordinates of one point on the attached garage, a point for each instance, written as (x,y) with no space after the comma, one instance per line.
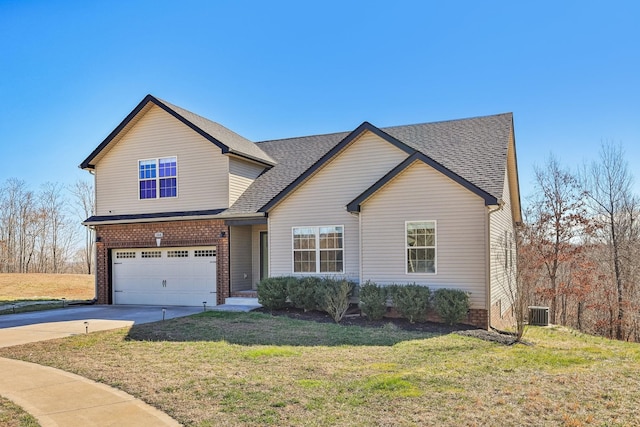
(164,276)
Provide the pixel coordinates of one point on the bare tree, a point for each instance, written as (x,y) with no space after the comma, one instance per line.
(59,231)
(557,218)
(519,277)
(83,193)
(608,183)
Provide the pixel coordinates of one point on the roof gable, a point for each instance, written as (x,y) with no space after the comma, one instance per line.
(332,153)
(354,206)
(229,142)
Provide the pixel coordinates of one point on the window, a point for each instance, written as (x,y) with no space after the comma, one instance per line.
(158,178)
(151,254)
(201,253)
(177,254)
(120,255)
(318,249)
(421,246)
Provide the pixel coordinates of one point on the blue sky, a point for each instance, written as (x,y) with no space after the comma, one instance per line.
(70,71)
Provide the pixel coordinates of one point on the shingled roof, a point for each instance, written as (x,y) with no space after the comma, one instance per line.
(474,149)
(228,141)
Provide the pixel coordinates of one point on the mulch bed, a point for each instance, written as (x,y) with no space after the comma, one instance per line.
(353,318)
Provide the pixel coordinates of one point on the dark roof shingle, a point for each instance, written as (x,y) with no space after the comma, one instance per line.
(475,149)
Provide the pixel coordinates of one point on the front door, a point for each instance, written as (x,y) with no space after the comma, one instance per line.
(264,255)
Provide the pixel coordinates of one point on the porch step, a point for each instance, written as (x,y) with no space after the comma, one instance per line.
(242,301)
(238,304)
(245,294)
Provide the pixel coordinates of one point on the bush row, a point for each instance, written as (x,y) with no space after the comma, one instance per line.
(412,302)
(307,293)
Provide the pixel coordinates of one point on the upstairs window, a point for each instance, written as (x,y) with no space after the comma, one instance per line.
(158,178)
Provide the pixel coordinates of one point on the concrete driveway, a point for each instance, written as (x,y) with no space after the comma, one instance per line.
(22,328)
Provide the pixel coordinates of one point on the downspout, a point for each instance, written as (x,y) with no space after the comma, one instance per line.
(360,260)
(95,246)
(95,266)
(488,255)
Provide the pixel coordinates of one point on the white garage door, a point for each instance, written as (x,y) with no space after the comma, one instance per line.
(164,276)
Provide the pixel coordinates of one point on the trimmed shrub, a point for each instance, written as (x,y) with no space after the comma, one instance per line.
(451,305)
(272,292)
(373,300)
(303,292)
(335,295)
(411,301)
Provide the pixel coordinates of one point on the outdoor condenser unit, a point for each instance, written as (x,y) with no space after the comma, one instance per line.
(539,316)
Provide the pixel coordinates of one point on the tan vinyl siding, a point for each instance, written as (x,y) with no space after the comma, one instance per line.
(240,251)
(255,251)
(202,169)
(501,228)
(241,176)
(323,198)
(422,194)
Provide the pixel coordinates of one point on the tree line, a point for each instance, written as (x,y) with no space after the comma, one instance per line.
(40,231)
(579,246)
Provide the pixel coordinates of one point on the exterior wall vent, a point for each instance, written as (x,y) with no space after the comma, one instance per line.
(539,316)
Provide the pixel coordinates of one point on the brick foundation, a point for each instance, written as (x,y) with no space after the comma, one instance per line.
(475,316)
(175,234)
(505,320)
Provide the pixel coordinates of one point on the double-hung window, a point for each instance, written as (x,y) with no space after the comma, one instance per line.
(421,246)
(158,178)
(318,249)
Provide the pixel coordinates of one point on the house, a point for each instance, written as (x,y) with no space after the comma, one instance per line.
(189,212)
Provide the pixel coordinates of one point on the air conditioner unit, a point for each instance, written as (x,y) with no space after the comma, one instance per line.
(539,316)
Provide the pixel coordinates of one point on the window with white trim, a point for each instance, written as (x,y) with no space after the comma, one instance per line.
(421,246)
(158,178)
(318,249)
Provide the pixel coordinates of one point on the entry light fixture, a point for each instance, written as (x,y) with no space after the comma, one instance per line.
(159,235)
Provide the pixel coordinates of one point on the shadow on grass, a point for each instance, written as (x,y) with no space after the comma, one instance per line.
(265,329)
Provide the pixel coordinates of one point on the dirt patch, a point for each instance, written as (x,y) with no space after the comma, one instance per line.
(354,318)
(493,336)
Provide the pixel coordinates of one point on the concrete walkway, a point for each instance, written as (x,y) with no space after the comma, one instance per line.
(59,398)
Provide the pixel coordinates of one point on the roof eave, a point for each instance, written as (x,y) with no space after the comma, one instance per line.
(86,164)
(365,126)
(221,216)
(355,205)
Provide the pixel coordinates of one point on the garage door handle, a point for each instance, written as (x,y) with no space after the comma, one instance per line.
(118,291)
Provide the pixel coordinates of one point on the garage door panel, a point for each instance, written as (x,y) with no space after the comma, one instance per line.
(164,276)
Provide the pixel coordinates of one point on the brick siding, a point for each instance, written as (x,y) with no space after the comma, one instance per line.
(475,317)
(503,320)
(175,234)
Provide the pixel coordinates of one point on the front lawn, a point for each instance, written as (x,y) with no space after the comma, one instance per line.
(217,369)
(40,286)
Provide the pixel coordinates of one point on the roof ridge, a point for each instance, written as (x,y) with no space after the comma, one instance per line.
(389,127)
(450,120)
(303,136)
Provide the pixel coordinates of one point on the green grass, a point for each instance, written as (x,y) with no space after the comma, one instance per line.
(254,369)
(11,415)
